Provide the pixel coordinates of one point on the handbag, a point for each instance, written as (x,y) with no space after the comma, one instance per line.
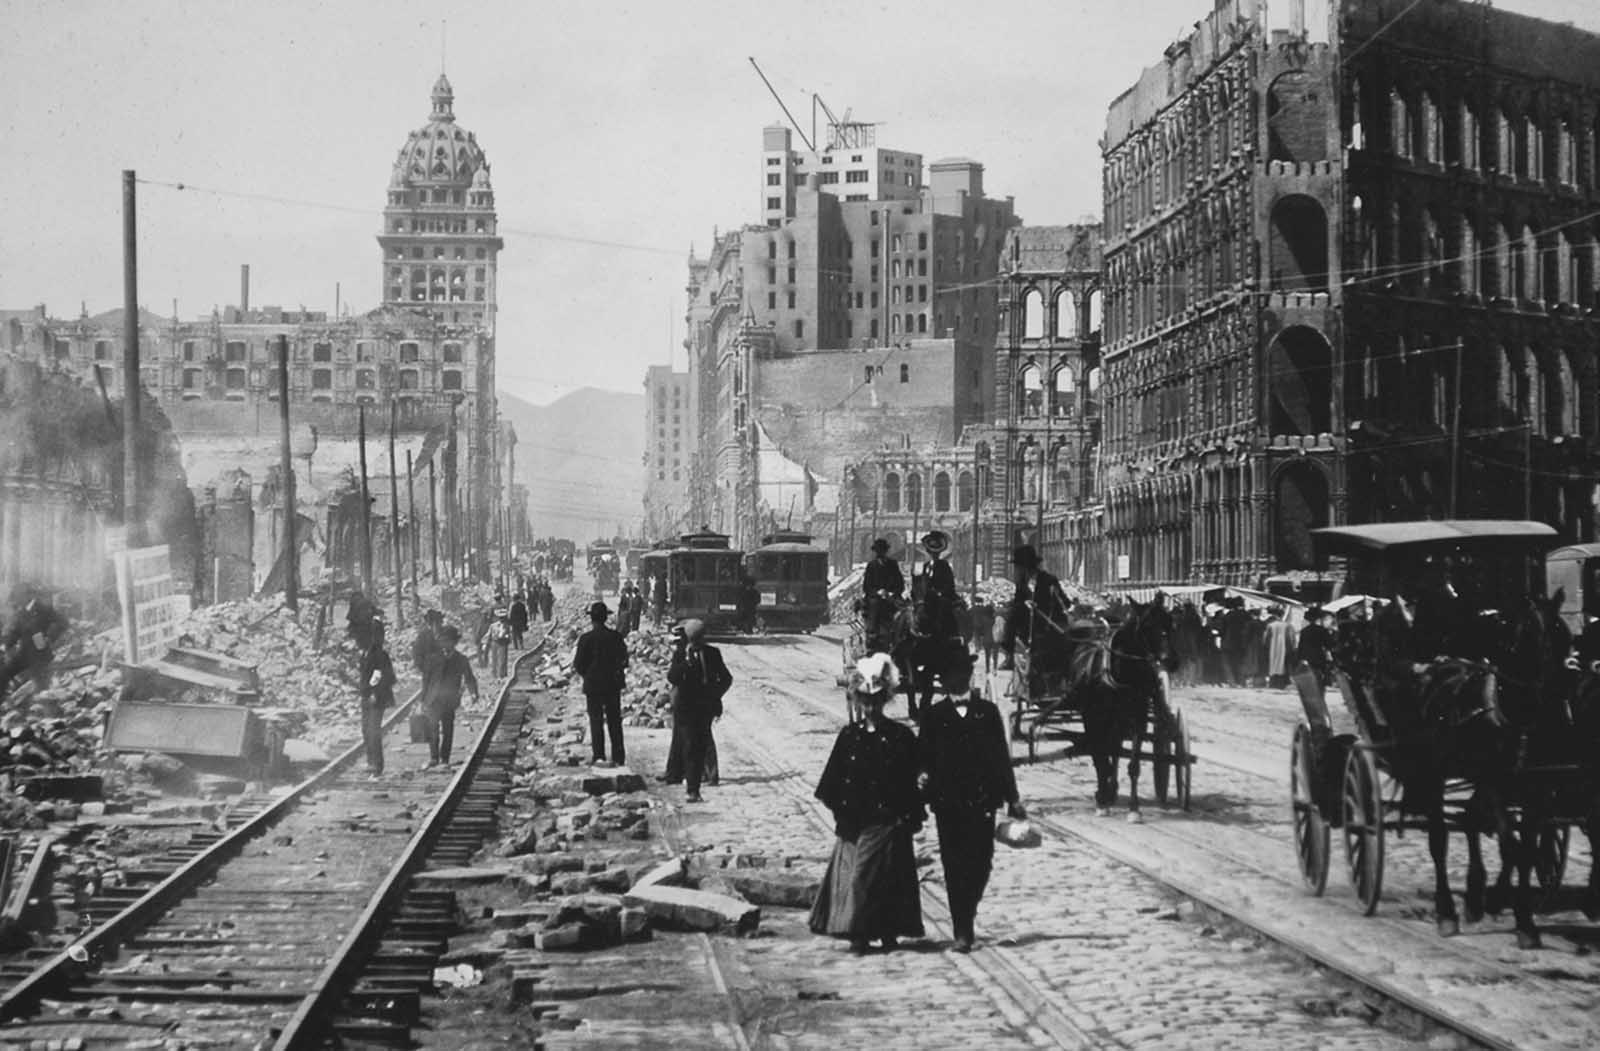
(1016,832)
(419,729)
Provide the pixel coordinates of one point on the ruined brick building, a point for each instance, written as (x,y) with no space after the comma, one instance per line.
(1350,276)
(429,347)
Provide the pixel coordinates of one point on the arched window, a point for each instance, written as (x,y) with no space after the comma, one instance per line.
(1432,131)
(1094,311)
(1033,314)
(1513,385)
(1533,404)
(1505,274)
(891,493)
(1400,129)
(1563,396)
(1063,392)
(941,491)
(1066,315)
(914,493)
(966,490)
(1469,265)
(1529,278)
(1030,391)
(1431,252)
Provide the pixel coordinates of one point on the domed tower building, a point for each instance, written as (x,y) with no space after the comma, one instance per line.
(439,240)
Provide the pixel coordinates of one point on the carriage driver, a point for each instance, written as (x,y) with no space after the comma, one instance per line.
(939,599)
(882,586)
(1038,593)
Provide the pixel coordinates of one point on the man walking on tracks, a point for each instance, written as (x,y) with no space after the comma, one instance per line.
(602,659)
(29,642)
(882,585)
(701,678)
(519,619)
(965,775)
(377,696)
(452,671)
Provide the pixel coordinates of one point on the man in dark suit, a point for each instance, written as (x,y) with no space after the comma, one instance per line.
(701,678)
(882,585)
(1038,615)
(602,660)
(377,696)
(965,776)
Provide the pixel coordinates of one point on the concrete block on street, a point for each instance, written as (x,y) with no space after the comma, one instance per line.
(520,916)
(679,908)
(635,923)
(569,936)
(670,873)
(779,887)
(465,877)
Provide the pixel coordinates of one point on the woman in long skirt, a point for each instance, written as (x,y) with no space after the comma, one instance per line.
(870,784)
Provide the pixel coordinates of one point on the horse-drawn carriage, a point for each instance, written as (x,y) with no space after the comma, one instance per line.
(1103,689)
(1459,691)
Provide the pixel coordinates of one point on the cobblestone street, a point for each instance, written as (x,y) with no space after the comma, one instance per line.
(1075,949)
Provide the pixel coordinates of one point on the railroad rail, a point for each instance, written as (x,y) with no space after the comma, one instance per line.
(1141,849)
(291,923)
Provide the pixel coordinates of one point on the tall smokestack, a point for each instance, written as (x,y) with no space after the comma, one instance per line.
(244,287)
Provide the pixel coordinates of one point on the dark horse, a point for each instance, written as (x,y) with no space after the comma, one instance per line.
(922,652)
(1120,685)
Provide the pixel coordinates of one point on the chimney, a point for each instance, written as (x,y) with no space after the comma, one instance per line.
(1297,17)
(244,288)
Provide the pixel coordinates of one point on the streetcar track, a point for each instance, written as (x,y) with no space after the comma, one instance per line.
(1437,1014)
(228,944)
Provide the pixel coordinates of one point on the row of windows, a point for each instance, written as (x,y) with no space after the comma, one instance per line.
(439,226)
(912,487)
(238,351)
(438,252)
(321,379)
(1068,319)
(1420,129)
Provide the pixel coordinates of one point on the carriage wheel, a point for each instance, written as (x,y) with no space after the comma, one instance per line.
(1550,863)
(1363,827)
(1161,741)
(1310,829)
(1182,762)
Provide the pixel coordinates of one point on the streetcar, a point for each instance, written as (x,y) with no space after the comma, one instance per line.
(791,573)
(604,566)
(703,578)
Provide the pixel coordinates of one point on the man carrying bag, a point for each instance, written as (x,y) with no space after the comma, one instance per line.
(701,677)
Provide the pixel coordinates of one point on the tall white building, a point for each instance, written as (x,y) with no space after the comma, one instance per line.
(850,165)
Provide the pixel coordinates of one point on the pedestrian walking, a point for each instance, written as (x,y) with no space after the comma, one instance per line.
(624,610)
(28,645)
(519,619)
(499,642)
(451,674)
(377,696)
(870,784)
(965,777)
(700,678)
(1280,648)
(547,601)
(602,660)
(983,631)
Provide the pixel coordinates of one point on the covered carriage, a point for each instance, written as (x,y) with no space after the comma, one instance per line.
(1408,707)
(1052,693)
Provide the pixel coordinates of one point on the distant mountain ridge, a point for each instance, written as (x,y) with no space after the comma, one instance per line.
(582,459)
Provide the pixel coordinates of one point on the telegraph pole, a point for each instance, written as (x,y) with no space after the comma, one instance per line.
(132,516)
(366,507)
(291,561)
(433,518)
(394,523)
(451,515)
(411,526)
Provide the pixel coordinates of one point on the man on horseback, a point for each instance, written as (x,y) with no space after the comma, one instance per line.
(1039,616)
(882,586)
(937,616)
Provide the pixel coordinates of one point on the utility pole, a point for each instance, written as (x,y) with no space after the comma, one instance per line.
(366,506)
(132,514)
(975,522)
(1455,436)
(291,560)
(451,506)
(433,517)
(394,523)
(411,527)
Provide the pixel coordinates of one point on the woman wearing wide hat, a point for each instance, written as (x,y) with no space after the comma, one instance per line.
(870,784)
(939,598)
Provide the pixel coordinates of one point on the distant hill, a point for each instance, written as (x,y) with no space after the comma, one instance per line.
(581,458)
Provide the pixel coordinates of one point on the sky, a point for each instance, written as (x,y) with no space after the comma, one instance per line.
(619,135)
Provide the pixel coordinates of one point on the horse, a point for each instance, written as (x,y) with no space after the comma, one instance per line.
(1120,684)
(921,651)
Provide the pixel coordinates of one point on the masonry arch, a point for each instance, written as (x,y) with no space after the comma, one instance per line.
(1297,245)
(914,492)
(966,491)
(1033,314)
(891,493)
(1066,315)
(1030,390)
(1300,382)
(1297,116)
(1063,392)
(1300,505)
(941,491)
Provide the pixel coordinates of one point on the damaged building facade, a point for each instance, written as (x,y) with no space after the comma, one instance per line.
(1349,274)
(844,322)
(428,349)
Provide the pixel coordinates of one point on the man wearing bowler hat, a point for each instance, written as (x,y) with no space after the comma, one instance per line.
(882,585)
(602,660)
